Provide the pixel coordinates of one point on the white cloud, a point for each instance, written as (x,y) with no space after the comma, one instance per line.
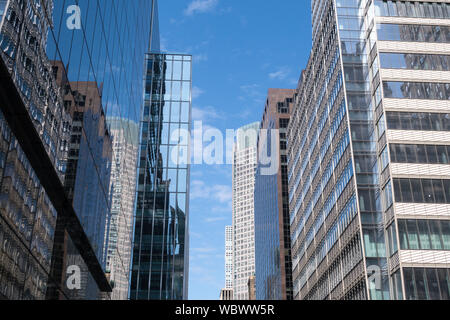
(204,114)
(215,219)
(199,57)
(197,92)
(221,193)
(280,74)
(200,6)
(252,92)
(203,250)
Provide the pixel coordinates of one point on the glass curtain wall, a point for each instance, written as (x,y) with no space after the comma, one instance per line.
(355,54)
(56,52)
(160,246)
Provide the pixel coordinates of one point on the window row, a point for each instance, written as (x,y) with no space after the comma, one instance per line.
(424,234)
(427,283)
(412,9)
(422,190)
(413,61)
(423,121)
(416,90)
(419,153)
(413,33)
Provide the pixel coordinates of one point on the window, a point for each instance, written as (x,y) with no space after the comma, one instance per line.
(414,33)
(424,234)
(416,90)
(415,61)
(427,283)
(418,121)
(422,190)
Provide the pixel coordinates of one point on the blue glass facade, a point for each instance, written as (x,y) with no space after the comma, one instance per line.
(161,239)
(267,238)
(53,49)
(273,264)
(355,50)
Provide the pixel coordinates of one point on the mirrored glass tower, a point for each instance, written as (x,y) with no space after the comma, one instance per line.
(160,251)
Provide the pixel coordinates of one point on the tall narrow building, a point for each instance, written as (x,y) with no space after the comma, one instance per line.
(367,145)
(244,167)
(229,257)
(160,261)
(272,228)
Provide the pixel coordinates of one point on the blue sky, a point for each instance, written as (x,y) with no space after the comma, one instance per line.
(240,49)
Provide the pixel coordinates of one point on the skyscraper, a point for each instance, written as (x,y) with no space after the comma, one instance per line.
(272,228)
(37,131)
(161,231)
(229,257)
(123,184)
(244,167)
(368,186)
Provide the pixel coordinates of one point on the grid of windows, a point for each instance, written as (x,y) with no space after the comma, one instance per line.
(413,61)
(427,283)
(416,90)
(413,33)
(422,190)
(424,234)
(424,121)
(419,153)
(412,9)
(244,167)
(161,223)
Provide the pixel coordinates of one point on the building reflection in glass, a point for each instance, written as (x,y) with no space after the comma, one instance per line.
(160,251)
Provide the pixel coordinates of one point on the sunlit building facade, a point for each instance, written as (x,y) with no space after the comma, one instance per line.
(367,149)
(244,168)
(228,257)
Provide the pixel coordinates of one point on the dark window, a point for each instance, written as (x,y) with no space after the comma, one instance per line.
(418,121)
(415,90)
(422,190)
(427,191)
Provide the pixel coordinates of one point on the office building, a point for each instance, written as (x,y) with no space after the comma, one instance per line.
(57,240)
(272,228)
(161,238)
(228,257)
(368,181)
(123,184)
(244,167)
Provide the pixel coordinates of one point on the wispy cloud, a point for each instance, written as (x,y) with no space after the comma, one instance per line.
(252,92)
(205,114)
(280,74)
(200,6)
(215,219)
(197,92)
(199,57)
(203,250)
(221,193)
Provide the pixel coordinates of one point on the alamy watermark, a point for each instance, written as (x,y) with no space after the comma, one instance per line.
(73,277)
(73,22)
(374,277)
(211,146)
